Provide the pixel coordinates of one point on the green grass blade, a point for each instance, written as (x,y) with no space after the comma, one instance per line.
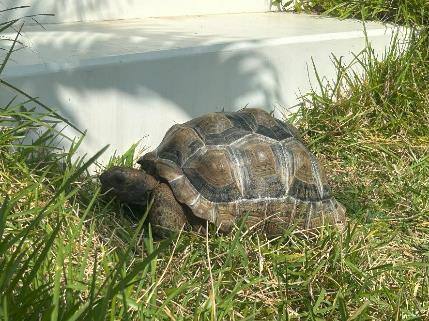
(9,85)
(9,53)
(3,217)
(57,280)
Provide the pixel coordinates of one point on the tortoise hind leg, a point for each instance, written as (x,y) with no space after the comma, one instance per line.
(166,214)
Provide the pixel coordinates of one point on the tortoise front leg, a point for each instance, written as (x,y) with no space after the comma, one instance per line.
(166,214)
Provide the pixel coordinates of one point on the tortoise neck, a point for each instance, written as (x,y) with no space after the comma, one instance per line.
(149,181)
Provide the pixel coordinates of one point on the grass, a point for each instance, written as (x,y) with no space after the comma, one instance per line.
(409,12)
(67,254)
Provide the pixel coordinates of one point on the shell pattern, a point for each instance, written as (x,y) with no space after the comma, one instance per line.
(227,165)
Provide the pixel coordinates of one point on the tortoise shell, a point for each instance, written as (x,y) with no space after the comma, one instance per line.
(226,165)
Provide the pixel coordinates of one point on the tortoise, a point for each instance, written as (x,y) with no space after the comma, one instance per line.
(226,166)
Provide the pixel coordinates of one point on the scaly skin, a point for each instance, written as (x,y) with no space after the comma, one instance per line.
(166,214)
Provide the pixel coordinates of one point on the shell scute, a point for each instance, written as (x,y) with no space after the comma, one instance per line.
(266,125)
(212,174)
(217,128)
(260,168)
(179,144)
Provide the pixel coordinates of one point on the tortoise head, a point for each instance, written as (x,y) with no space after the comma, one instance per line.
(129,185)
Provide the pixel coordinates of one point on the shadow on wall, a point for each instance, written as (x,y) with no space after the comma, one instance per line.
(142,95)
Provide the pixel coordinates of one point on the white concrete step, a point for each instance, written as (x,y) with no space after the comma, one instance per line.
(133,79)
(99,10)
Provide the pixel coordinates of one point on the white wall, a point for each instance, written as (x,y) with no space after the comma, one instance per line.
(97,10)
(126,82)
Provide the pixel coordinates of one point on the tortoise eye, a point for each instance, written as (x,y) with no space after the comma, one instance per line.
(119,179)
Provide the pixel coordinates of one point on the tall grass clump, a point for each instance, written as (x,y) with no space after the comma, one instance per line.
(378,124)
(409,12)
(374,133)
